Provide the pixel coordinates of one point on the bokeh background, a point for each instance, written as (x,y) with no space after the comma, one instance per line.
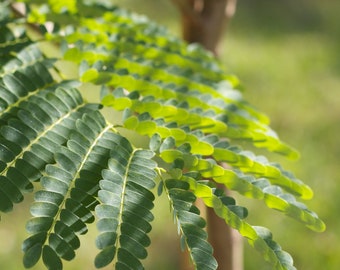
(287,56)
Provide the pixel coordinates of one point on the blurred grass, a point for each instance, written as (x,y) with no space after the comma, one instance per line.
(287,55)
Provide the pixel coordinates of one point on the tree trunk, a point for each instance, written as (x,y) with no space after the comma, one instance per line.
(204,22)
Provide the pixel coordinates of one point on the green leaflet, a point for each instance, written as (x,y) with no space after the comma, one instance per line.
(262,189)
(11,42)
(134,72)
(37,118)
(169,90)
(259,237)
(190,224)
(170,111)
(247,185)
(124,213)
(241,159)
(246,162)
(65,204)
(29,148)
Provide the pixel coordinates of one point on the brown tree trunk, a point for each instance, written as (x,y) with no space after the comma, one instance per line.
(204,22)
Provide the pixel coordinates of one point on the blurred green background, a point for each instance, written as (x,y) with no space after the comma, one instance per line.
(287,56)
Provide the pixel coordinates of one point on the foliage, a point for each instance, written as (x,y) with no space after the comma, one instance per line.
(83,169)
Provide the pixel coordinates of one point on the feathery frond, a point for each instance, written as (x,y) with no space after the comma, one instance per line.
(69,192)
(177,95)
(124,213)
(190,224)
(259,237)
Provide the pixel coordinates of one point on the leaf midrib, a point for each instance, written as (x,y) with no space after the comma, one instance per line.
(76,176)
(33,142)
(121,209)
